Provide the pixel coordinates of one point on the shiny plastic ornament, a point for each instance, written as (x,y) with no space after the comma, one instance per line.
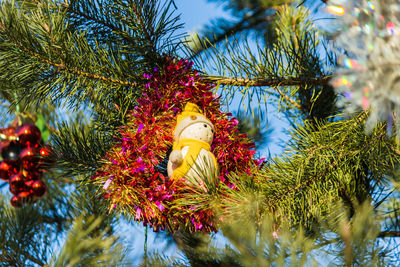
(11,151)
(32,175)
(29,159)
(368,73)
(16,202)
(29,135)
(26,197)
(5,170)
(24,156)
(17,183)
(38,188)
(46,157)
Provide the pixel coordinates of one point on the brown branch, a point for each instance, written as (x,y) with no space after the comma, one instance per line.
(275,83)
(389,234)
(324,80)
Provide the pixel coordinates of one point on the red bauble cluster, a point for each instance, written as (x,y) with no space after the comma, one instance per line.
(24,156)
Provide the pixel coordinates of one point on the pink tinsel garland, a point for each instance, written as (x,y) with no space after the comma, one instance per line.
(131,179)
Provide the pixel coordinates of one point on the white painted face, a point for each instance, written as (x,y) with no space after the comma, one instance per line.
(198,131)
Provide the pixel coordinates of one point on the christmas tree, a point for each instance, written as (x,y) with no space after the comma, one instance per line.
(101,98)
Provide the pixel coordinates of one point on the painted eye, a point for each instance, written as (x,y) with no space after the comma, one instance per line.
(205,125)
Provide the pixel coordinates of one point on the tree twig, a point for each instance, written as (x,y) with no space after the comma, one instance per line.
(389,234)
(324,80)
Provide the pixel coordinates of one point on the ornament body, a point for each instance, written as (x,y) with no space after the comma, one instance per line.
(368,73)
(38,188)
(5,171)
(17,183)
(24,157)
(29,135)
(16,202)
(11,151)
(191,158)
(29,159)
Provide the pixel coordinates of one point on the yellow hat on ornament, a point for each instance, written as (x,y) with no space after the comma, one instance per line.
(190,115)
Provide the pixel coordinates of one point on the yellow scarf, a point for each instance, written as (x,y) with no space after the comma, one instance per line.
(195,147)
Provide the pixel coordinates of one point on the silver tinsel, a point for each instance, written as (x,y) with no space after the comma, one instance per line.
(368,74)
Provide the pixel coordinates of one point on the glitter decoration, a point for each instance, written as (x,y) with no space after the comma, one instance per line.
(131,177)
(337,10)
(369,70)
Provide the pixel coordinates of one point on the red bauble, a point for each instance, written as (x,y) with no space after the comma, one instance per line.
(26,197)
(11,151)
(28,184)
(45,151)
(46,156)
(5,170)
(16,202)
(17,183)
(29,158)
(29,135)
(38,188)
(32,175)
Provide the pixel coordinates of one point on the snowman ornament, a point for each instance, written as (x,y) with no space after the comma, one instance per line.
(191,158)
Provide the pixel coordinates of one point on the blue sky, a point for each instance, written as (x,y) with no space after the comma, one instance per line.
(195,13)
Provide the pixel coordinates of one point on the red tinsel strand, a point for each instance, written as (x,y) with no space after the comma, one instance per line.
(130,170)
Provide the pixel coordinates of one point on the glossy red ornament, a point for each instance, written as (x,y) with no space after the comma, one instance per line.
(26,196)
(45,151)
(10,131)
(10,152)
(47,156)
(16,202)
(17,183)
(5,170)
(29,135)
(28,184)
(38,188)
(29,158)
(32,175)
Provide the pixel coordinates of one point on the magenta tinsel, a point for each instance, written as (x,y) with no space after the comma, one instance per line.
(131,177)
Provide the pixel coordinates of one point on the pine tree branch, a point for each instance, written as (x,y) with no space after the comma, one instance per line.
(274,199)
(240,26)
(33,259)
(144,27)
(7,256)
(76,14)
(62,66)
